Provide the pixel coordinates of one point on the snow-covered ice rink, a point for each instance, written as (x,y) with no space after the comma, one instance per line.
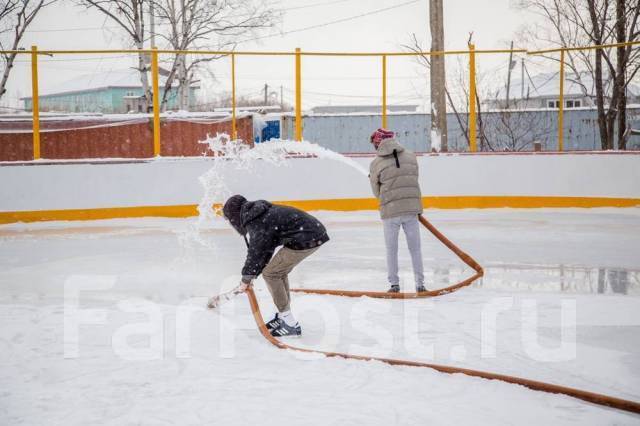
(104,322)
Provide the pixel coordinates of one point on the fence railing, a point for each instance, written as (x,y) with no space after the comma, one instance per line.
(298,54)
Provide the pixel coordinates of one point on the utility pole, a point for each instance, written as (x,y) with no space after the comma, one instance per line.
(521,78)
(510,67)
(152,39)
(152,24)
(437,76)
(266,93)
(183,76)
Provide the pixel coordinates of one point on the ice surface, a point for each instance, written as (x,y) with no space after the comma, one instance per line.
(136,277)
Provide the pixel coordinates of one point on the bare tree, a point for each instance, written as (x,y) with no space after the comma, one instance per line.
(223,100)
(209,24)
(501,130)
(627,59)
(425,61)
(458,101)
(15,18)
(516,129)
(584,22)
(129,16)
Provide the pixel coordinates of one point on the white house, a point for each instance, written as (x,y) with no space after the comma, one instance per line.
(543,91)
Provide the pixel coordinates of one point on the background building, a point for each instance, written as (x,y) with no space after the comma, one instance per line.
(347,109)
(114,92)
(542,90)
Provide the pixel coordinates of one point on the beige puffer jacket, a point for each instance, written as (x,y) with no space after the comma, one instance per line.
(394,180)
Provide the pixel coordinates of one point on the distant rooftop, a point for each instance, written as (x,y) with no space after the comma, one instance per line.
(340,109)
(259,108)
(548,85)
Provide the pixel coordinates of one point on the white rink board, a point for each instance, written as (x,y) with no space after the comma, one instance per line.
(174,181)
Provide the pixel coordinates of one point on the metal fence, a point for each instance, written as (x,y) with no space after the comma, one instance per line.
(512,131)
(298,54)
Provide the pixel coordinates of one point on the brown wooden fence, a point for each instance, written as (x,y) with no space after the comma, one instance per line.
(94,138)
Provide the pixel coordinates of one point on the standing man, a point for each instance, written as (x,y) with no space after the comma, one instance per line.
(394,181)
(269,226)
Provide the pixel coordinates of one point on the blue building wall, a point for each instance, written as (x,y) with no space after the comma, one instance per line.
(107,100)
(271,131)
(350,133)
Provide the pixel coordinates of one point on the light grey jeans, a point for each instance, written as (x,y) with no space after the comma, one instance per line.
(411,227)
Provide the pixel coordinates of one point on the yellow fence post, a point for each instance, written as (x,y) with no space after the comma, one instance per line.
(561,104)
(234,124)
(156,102)
(298,95)
(384,91)
(472,99)
(35,104)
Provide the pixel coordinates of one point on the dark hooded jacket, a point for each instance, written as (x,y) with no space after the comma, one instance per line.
(269,226)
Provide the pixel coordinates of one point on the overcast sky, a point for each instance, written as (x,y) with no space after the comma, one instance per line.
(325,80)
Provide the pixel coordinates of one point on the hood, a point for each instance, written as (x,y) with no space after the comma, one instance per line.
(387,146)
(253,210)
(231,210)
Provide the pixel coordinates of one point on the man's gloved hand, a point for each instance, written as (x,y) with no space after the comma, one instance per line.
(241,288)
(244,286)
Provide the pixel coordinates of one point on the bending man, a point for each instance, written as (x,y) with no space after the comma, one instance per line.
(267,227)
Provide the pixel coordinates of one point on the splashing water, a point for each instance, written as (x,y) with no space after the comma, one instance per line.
(240,156)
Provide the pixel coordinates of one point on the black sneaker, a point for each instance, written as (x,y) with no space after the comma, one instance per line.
(395,288)
(283,329)
(273,323)
(420,288)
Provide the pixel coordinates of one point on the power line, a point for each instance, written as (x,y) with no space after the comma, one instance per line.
(290,78)
(56,30)
(132,55)
(316,4)
(103,27)
(535,89)
(338,95)
(337,21)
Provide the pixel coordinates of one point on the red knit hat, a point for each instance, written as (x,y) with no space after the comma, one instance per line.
(379,135)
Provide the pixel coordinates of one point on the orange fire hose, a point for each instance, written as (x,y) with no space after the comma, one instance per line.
(595,398)
(384,295)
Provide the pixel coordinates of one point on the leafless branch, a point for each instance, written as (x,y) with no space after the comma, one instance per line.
(186,24)
(15,18)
